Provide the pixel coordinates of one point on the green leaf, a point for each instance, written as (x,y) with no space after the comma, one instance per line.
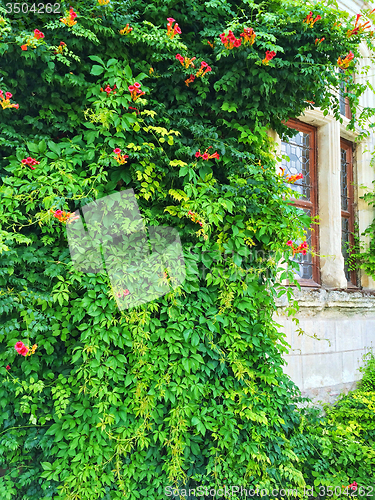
(112,62)
(128,71)
(97,70)
(97,59)
(91,136)
(195,339)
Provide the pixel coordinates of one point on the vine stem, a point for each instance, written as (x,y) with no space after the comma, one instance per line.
(21,427)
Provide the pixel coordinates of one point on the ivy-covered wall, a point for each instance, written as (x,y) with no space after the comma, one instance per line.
(188,389)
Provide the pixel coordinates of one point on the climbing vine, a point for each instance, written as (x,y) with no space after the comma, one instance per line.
(172,100)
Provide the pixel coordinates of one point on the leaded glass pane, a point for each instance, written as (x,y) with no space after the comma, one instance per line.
(344,179)
(298,150)
(345,244)
(305,261)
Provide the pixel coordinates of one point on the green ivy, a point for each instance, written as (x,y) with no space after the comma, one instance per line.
(189,389)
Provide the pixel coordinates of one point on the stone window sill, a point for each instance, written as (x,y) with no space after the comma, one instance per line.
(317,299)
(306,283)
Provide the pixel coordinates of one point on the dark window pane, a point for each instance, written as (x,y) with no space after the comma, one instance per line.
(306,266)
(344,180)
(345,244)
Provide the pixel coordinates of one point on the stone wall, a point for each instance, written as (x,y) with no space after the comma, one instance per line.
(339,327)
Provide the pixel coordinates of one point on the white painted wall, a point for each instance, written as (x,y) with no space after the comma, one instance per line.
(343,324)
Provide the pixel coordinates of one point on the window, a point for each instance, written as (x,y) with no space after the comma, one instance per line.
(301,150)
(347,207)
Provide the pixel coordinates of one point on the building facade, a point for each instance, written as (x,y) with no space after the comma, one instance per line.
(337,305)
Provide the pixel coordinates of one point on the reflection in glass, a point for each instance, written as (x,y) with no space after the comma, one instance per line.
(305,261)
(298,150)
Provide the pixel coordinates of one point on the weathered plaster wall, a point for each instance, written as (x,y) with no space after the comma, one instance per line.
(343,325)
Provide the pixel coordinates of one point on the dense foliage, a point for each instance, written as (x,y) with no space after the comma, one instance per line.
(367,382)
(188,389)
(339,445)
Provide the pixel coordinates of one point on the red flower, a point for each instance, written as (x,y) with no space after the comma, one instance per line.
(58,213)
(304,252)
(16,106)
(117,151)
(137,85)
(38,34)
(8,95)
(204,64)
(289,243)
(30,161)
(23,351)
(177,29)
(270,54)
(19,345)
(170,19)
(24,47)
(200,223)
(344,63)
(190,79)
(8,367)
(205,156)
(126,292)
(131,88)
(197,154)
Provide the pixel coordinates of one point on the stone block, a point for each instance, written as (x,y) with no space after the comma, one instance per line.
(321,370)
(349,334)
(293,368)
(368,329)
(351,361)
